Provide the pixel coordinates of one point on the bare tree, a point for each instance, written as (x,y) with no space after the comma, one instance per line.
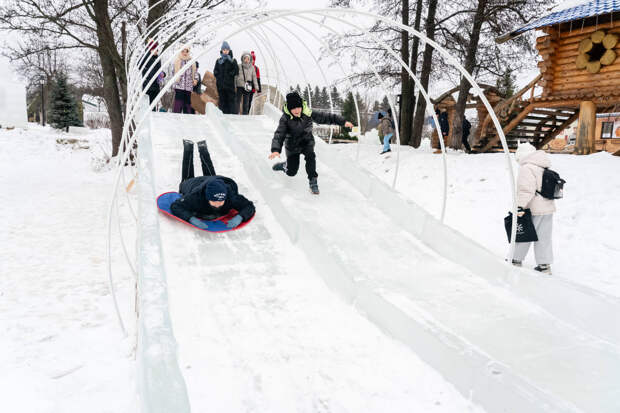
(92,26)
(427,65)
(481,56)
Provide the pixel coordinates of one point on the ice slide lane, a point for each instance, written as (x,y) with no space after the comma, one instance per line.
(257,328)
(507,352)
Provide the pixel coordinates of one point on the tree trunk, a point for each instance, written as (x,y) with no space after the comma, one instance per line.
(427,65)
(108,54)
(456,129)
(407,110)
(405,90)
(586,129)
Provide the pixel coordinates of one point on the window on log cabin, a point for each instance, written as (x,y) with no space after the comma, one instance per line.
(607,130)
(598,50)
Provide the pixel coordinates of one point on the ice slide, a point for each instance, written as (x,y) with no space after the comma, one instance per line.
(258,330)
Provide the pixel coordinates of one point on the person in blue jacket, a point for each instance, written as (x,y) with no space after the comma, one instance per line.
(210,196)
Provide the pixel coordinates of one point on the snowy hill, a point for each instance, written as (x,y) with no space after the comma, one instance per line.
(259,326)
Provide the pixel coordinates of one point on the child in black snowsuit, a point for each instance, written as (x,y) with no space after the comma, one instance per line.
(294,132)
(210,196)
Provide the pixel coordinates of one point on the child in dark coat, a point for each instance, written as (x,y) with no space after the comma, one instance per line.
(294,132)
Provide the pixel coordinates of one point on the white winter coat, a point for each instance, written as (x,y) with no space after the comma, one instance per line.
(530,180)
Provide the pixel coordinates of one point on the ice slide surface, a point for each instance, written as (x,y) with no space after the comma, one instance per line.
(258,329)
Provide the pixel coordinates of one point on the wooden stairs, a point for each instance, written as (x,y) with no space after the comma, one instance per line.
(524,120)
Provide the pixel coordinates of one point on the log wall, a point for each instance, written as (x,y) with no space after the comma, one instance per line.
(559,50)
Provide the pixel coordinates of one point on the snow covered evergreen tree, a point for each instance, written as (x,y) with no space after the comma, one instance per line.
(336,98)
(316,98)
(64,109)
(325,97)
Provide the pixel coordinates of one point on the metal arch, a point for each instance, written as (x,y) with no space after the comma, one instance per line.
(299,63)
(277,64)
(301,68)
(390,101)
(303,43)
(477,91)
(317,38)
(429,107)
(136,94)
(320,12)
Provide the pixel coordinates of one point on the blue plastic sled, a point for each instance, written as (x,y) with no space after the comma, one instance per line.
(217,225)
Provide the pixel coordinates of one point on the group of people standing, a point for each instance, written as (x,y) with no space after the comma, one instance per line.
(236,82)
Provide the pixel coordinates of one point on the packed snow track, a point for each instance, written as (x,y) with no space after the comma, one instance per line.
(315,306)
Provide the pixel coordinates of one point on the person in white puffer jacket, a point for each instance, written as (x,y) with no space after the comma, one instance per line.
(532,164)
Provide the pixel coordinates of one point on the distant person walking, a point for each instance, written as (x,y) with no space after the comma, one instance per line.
(184,84)
(532,165)
(465,137)
(260,87)
(246,83)
(386,130)
(196,90)
(444,124)
(225,71)
(150,68)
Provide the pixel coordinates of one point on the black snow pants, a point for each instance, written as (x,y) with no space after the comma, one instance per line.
(292,161)
(465,140)
(227,102)
(187,168)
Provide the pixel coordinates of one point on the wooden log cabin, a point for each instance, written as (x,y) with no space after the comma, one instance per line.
(579,64)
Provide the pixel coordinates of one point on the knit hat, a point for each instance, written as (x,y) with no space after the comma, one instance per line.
(523,150)
(225,45)
(293,100)
(216,190)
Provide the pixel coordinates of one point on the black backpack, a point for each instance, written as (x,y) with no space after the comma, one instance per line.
(552,185)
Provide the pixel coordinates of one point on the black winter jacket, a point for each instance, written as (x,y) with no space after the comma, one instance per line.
(466,127)
(444,125)
(195,204)
(150,69)
(225,74)
(296,132)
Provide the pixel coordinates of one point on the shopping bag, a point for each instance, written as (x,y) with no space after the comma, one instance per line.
(525,227)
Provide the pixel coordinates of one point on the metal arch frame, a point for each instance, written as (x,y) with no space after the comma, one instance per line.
(390,99)
(301,67)
(127,142)
(277,63)
(303,71)
(325,45)
(391,103)
(137,93)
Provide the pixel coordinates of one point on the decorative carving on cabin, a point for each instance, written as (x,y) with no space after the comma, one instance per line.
(597,51)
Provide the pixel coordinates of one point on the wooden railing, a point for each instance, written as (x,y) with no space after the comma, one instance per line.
(505,107)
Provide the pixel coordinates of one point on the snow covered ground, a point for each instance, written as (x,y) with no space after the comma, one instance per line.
(260,333)
(586,226)
(258,329)
(60,346)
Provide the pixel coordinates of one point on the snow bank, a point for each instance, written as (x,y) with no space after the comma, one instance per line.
(12,98)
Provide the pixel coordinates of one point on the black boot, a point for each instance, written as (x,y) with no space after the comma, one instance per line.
(280,166)
(544,268)
(314,186)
